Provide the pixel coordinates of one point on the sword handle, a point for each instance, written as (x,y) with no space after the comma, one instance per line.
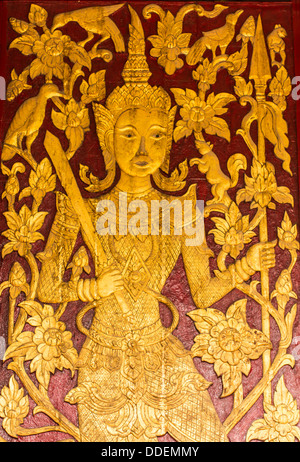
(120,297)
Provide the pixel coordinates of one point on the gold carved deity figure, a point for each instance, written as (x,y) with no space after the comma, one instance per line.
(136,380)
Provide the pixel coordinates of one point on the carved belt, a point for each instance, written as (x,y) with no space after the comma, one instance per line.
(144,337)
(111,338)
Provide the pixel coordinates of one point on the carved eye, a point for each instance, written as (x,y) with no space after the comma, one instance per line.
(157,136)
(129,135)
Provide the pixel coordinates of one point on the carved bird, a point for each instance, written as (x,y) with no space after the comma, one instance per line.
(95,20)
(27,122)
(213,39)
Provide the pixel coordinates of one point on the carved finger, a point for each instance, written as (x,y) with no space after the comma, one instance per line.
(268,260)
(117,278)
(114,271)
(268,263)
(270,245)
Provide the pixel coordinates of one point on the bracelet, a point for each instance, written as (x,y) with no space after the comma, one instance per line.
(246,267)
(236,278)
(241,272)
(87,290)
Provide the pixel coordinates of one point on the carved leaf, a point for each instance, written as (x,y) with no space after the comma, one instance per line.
(78,54)
(239,61)
(259,430)
(231,380)
(219,101)
(24,44)
(280,87)
(37,15)
(242,88)
(181,130)
(218,127)
(21,27)
(275,129)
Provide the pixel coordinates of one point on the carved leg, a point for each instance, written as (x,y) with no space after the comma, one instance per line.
(196,420)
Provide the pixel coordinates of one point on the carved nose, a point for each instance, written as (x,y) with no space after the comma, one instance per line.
(142,148)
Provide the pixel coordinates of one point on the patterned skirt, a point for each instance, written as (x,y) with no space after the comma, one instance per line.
(139,386)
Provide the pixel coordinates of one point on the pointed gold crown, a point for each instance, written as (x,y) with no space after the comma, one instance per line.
(137,92)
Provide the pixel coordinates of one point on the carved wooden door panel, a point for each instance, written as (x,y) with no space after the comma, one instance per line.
(125,331)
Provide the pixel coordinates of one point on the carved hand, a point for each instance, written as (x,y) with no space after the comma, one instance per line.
(262,256)
(109,281)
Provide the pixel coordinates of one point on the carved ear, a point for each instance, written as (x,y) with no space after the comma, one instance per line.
(109,141)
(171,117)
(105,123)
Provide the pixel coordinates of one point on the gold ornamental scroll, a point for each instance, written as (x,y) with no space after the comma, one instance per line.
(127,112)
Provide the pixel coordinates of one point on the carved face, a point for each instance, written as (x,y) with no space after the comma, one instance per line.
(140,141)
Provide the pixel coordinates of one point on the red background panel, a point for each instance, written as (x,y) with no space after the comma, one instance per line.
(285,13)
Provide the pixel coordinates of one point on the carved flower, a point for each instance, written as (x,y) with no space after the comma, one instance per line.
(280,87)
(132,344)
(80,262)
(51,339)
(41,182)
(49,347)
(262,187)
(247,31)
(169,44)
(12,185)
(228,342)
(283,288)
(287,234)
(280,420)
(198,115)
(17,85)
(14,407)
(22,230)
(94,89)
(51,49)
(206,74)
(233,231)
(17,280)
(74,121)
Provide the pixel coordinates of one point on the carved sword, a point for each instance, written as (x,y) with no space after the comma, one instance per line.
(69,183)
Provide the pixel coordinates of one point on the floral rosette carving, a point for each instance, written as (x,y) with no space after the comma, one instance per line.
(227,341)
(232,232)
(48,348)
(280,419)
(14,407)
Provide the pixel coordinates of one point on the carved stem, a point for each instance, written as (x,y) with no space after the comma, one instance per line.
(149,9)
(293,253)
(60,310)
(43,401)
(237,414)
(11,314)
(31,296)
(36,431)
(267,305)
(238,396)
(256,219)
(280,360)
(188,9)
